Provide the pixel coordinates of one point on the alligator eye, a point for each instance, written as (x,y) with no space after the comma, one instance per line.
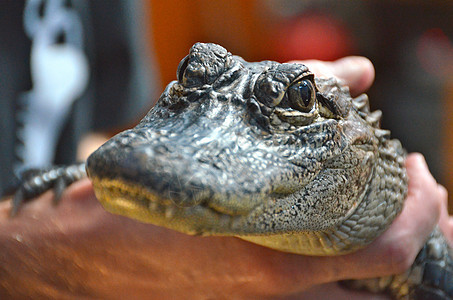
(301,95)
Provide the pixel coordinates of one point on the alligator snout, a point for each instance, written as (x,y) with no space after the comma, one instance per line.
(131,158)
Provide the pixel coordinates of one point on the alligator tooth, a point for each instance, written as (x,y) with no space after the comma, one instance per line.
(170,212)
(153,206)
(374,118)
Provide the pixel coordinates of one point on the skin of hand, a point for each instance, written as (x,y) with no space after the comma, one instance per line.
(78,250)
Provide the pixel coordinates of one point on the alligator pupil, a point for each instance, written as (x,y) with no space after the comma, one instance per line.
(300,96)
(305,93)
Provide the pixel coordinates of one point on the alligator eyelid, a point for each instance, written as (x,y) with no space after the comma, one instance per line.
(326,102)
(305,76)
(182,68)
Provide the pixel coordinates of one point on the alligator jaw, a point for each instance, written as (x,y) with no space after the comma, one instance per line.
(136,202)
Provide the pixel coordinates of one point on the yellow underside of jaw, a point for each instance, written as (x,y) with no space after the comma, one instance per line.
(137,203)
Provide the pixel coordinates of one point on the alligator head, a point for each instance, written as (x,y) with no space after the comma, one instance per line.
(261,150)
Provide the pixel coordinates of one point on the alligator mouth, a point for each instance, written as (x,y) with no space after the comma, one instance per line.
(137,202)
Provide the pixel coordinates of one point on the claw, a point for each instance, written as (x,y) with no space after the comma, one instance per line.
(59,188)
(17,201)
(33,183)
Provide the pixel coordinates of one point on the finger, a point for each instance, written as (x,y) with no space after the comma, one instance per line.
(418,173)
(445,221)
(323,69)
(355,71)
(424,197)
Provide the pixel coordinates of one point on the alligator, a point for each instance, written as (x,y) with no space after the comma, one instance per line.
(265,152)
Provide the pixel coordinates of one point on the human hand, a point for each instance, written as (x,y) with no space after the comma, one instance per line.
(79,250)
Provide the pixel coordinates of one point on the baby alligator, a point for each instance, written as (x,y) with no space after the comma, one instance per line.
(268,153)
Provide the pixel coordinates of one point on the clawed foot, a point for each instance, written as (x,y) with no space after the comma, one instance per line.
(34,182)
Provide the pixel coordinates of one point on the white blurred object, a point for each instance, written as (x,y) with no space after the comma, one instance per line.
(60,73)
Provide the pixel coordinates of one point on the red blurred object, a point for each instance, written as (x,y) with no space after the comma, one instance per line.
(313,36)
(435,52)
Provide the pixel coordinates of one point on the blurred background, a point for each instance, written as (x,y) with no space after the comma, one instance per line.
(121,54)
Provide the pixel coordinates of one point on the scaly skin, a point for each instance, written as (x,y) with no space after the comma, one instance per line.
(223,153)
(266,152)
